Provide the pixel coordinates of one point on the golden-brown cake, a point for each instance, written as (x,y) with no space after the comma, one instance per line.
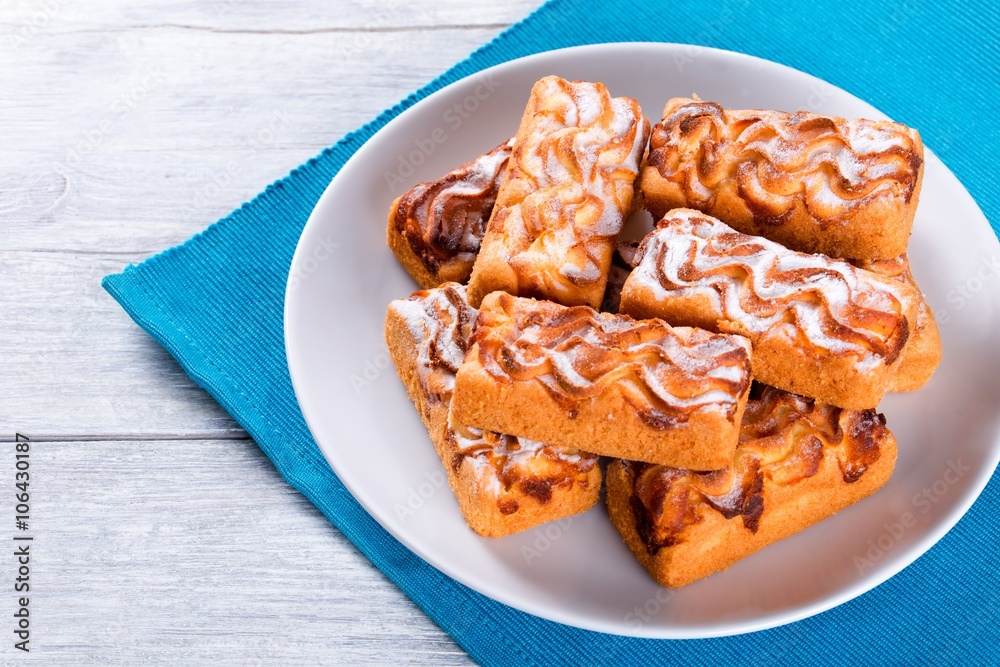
(435,228)
(503,484)
(922,353)
(845,188)
(798,462)
(563,200)
(818,326)
(603,383)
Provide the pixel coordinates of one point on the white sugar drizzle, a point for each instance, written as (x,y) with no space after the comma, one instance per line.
(588,103)
(583,111)
(474,179)
(479,175)
(867,136)
(692,240)
(660,364)
(433,319)
(796,158)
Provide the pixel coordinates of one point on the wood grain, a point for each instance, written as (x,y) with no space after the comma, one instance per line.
(274,16)
(79,365)
(185,553)
(163,534)
(148,148)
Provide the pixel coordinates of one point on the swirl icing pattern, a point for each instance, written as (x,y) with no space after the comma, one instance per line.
(444,220)
(758,287)
(533,468)
(569,185)
(784,438)
(441,322)
(831,165)
(899,268)
(893,267)
(576,353)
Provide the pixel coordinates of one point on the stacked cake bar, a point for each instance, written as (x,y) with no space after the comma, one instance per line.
(729,374)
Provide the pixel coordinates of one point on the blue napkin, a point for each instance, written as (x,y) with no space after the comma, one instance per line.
(215,303)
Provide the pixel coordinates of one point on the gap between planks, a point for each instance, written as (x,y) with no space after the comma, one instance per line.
(131,437)
(288,31)
(89,253)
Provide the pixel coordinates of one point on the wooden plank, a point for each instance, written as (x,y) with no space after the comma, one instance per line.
(211,129)
(148,148)
(302,16)
(194,551)
(74,363)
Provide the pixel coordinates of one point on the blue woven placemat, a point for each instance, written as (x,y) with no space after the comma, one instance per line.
(215,303)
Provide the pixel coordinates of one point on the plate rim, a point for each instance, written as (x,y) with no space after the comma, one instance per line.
(729,628)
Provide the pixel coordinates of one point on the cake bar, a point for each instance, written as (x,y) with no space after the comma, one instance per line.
(798,462)
(435,228)
(603,383)
(562,203)
(504,484)
(845,188)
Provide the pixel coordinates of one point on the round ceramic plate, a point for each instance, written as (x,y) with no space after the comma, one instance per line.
(578,571)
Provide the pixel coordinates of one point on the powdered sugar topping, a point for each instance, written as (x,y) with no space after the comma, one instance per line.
(578,158)
(831,165)
(577,354)
(440,321)
(765,288)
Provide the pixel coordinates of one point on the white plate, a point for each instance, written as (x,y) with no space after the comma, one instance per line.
(578,571)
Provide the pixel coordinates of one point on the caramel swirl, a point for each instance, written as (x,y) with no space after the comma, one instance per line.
(759,287)
(831,165)
(576,353)
(899,268)
(893,267)
(533,468)
(784,439)
(441,321)
(444,220)
(569,185)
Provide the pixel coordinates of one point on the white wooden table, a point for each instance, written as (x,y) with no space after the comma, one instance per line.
(162,534)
